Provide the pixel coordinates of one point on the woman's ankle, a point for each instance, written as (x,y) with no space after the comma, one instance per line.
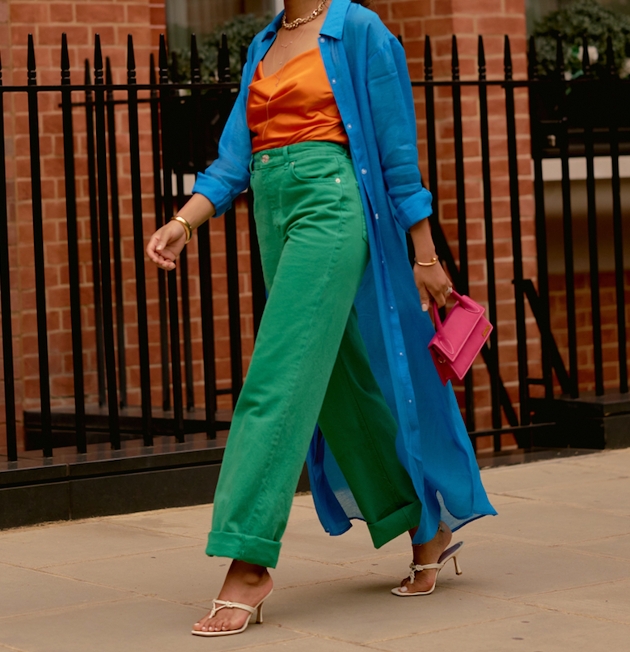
(248,573)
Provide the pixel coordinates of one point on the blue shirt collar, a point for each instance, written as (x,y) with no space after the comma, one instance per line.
(333,25)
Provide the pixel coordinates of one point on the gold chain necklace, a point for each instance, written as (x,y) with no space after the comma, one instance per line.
(302,21)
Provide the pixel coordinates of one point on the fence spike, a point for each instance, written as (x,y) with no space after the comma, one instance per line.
(163,61)
(586,60)
(98,60)
(108,72)
(30,62)
(400,40)
(152,75)
(481,59)
(224,60)
(454,59)
(174,72)
(559,56)
(65,60)
(195,69)
(428,59)
(532,59)
(610,57)
(131,61)
(507,58)
(88,75)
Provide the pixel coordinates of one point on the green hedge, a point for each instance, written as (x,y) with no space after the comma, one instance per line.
(239,31)
(585,17)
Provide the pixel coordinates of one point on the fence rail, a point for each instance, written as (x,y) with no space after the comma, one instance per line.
(160,115)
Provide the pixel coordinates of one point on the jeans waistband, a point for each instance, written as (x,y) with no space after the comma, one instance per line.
(281,155)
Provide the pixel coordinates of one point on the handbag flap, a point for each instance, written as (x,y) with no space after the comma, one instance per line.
(457,327)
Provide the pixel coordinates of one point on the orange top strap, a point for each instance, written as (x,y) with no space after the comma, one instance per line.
(294,105)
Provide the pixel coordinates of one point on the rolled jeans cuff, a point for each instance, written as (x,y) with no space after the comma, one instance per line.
(244,547)
(395,524)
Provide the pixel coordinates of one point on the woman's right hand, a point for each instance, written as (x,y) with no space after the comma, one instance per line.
(166,244)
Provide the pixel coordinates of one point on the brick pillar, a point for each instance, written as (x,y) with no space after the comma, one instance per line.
(440,19)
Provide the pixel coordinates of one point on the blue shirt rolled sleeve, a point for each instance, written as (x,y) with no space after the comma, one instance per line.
(229,175)
(389,86)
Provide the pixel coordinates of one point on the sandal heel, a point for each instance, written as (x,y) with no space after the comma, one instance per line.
(458,569)
(259,614)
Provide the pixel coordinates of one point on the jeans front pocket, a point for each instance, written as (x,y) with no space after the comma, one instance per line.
(315,169)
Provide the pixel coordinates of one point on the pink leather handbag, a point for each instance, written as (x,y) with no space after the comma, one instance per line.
(459,339)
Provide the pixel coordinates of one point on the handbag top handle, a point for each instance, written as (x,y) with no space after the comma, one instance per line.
(469,305)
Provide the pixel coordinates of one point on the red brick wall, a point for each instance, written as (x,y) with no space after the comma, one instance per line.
(80,20)
(584,327)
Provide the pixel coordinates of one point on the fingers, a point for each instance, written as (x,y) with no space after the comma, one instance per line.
(439,298)
(425,297)
(433,284)
(163,258)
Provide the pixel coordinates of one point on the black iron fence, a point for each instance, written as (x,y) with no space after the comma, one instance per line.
(589,118)
(170,113)
(172,110)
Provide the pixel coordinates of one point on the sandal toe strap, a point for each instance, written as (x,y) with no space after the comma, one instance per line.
(417,568)
(217,605)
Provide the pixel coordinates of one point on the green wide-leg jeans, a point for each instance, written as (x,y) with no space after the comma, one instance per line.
(309,364)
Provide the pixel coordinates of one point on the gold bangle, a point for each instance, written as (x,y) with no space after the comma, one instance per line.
(185,224)
(433,261)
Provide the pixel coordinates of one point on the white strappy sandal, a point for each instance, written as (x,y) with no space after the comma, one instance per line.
(217,605)
(446,556)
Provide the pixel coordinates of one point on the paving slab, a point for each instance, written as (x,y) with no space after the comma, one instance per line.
(537,632)
(26,591)
(550,523)
(134,625)
(325,610)
(546,473)
(511,570)
(311,644)
(187,575)
(617,547)
(41,546)
(308,540)
(498,500)
(610,495)
(608,461)
(193,522)
(606,601)
(551,573)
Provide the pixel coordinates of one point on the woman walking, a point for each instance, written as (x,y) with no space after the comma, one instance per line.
(324,131)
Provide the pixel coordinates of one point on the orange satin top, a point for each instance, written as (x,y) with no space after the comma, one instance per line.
(294,105)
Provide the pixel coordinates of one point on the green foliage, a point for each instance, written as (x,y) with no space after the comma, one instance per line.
(239,31)
(585,17)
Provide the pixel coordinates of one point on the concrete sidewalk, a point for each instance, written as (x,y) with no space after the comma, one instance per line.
(551,573)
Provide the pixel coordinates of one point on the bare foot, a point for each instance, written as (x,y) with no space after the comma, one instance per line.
(428,553)
(245,583)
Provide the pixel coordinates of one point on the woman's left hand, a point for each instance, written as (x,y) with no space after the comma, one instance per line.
(432,284)
(431,280)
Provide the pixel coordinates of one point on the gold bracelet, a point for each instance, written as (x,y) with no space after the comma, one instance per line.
(433,261)
(185,224)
